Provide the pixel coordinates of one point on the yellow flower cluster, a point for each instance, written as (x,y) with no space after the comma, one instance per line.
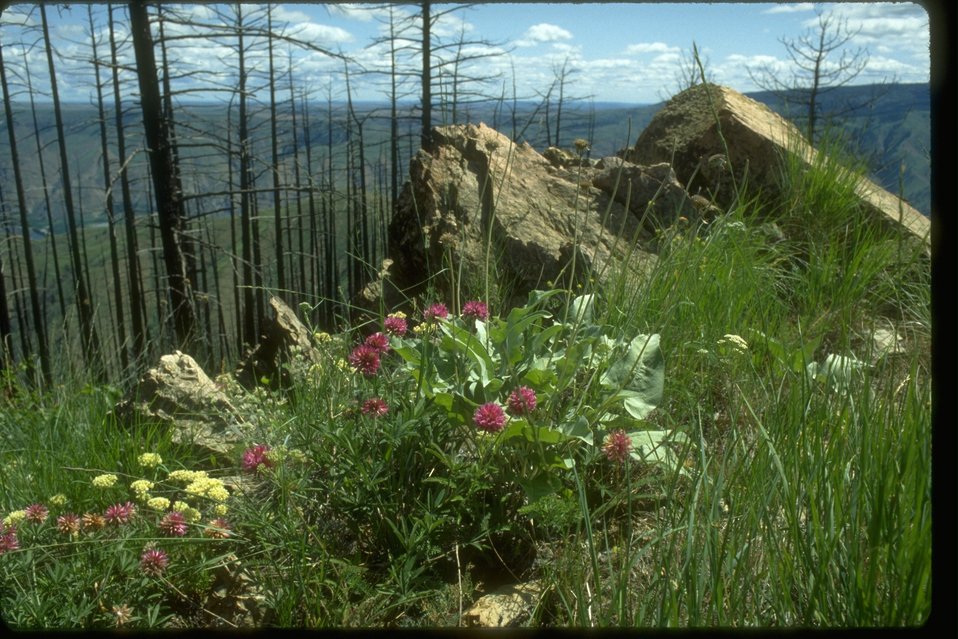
(424,329)
(142,488)
(150,460)
(398,314)
(189,513)
(187,476)
(58,500)
(158,503)
(14,518)
(322,337)
(208,487)
(104,481)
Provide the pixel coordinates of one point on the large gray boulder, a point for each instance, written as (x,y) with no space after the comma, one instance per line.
(715,138)
(178,394)
(473,189)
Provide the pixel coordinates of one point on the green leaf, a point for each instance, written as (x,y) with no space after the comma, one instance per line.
(540,378)
(649,446)
(458,409)
(544,337)
(540,486)
(580,310)
(641,370)
(578,429)
(522,428)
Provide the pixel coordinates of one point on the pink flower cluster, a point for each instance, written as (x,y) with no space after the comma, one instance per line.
(36,513)
(154,561)
(8,540)
(119,514)
(365,359)
(435,312)
(489,417)
(173,524)
(522,401)
(395,325)
(375,406)
(68,524)
(617,445)
(255,457)
(475,310)
(379,342)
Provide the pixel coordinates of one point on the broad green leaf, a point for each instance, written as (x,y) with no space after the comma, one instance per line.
(544,337)
(837,371)
(458,409)
(649,446)
(540,486)
(578,429)
(540,378)
(522,428)
(642,370)
(580,310)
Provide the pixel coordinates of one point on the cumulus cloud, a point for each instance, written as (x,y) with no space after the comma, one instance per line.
(650,47)
(888,27)
(790,8)
(321,34)
(541,33)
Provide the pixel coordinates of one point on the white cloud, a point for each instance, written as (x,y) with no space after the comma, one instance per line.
(14,17)
(790,8)
(541,33)
(282,14)
(449,26)
(650,47)
(358,11)
(567,49)
(321,35)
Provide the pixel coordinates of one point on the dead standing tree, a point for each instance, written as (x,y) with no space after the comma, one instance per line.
(816,71)
(171,213)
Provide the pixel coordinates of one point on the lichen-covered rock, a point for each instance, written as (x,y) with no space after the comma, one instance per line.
(715,139)
(478,205)
(508,606)
(652,191)
(179,394)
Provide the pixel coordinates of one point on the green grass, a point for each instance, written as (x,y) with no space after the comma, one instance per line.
(776,498)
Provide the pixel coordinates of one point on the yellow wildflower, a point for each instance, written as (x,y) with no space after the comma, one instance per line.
(186,476)
(58,500)
(150,460)
(218,493)
(104,481)
(141,486)
(14,518)
(158,503)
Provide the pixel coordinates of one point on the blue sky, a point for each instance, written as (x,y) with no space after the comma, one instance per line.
(624,52)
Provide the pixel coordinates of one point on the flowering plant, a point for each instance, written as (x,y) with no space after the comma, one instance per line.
(564,381)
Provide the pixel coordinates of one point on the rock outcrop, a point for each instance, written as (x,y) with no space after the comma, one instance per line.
(179,394)
(545,221)
(508,606)
(688,132)
(281,338)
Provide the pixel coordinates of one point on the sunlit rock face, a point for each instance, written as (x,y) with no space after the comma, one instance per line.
(715,138)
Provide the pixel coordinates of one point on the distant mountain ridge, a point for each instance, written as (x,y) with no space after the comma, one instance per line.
(895,134)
